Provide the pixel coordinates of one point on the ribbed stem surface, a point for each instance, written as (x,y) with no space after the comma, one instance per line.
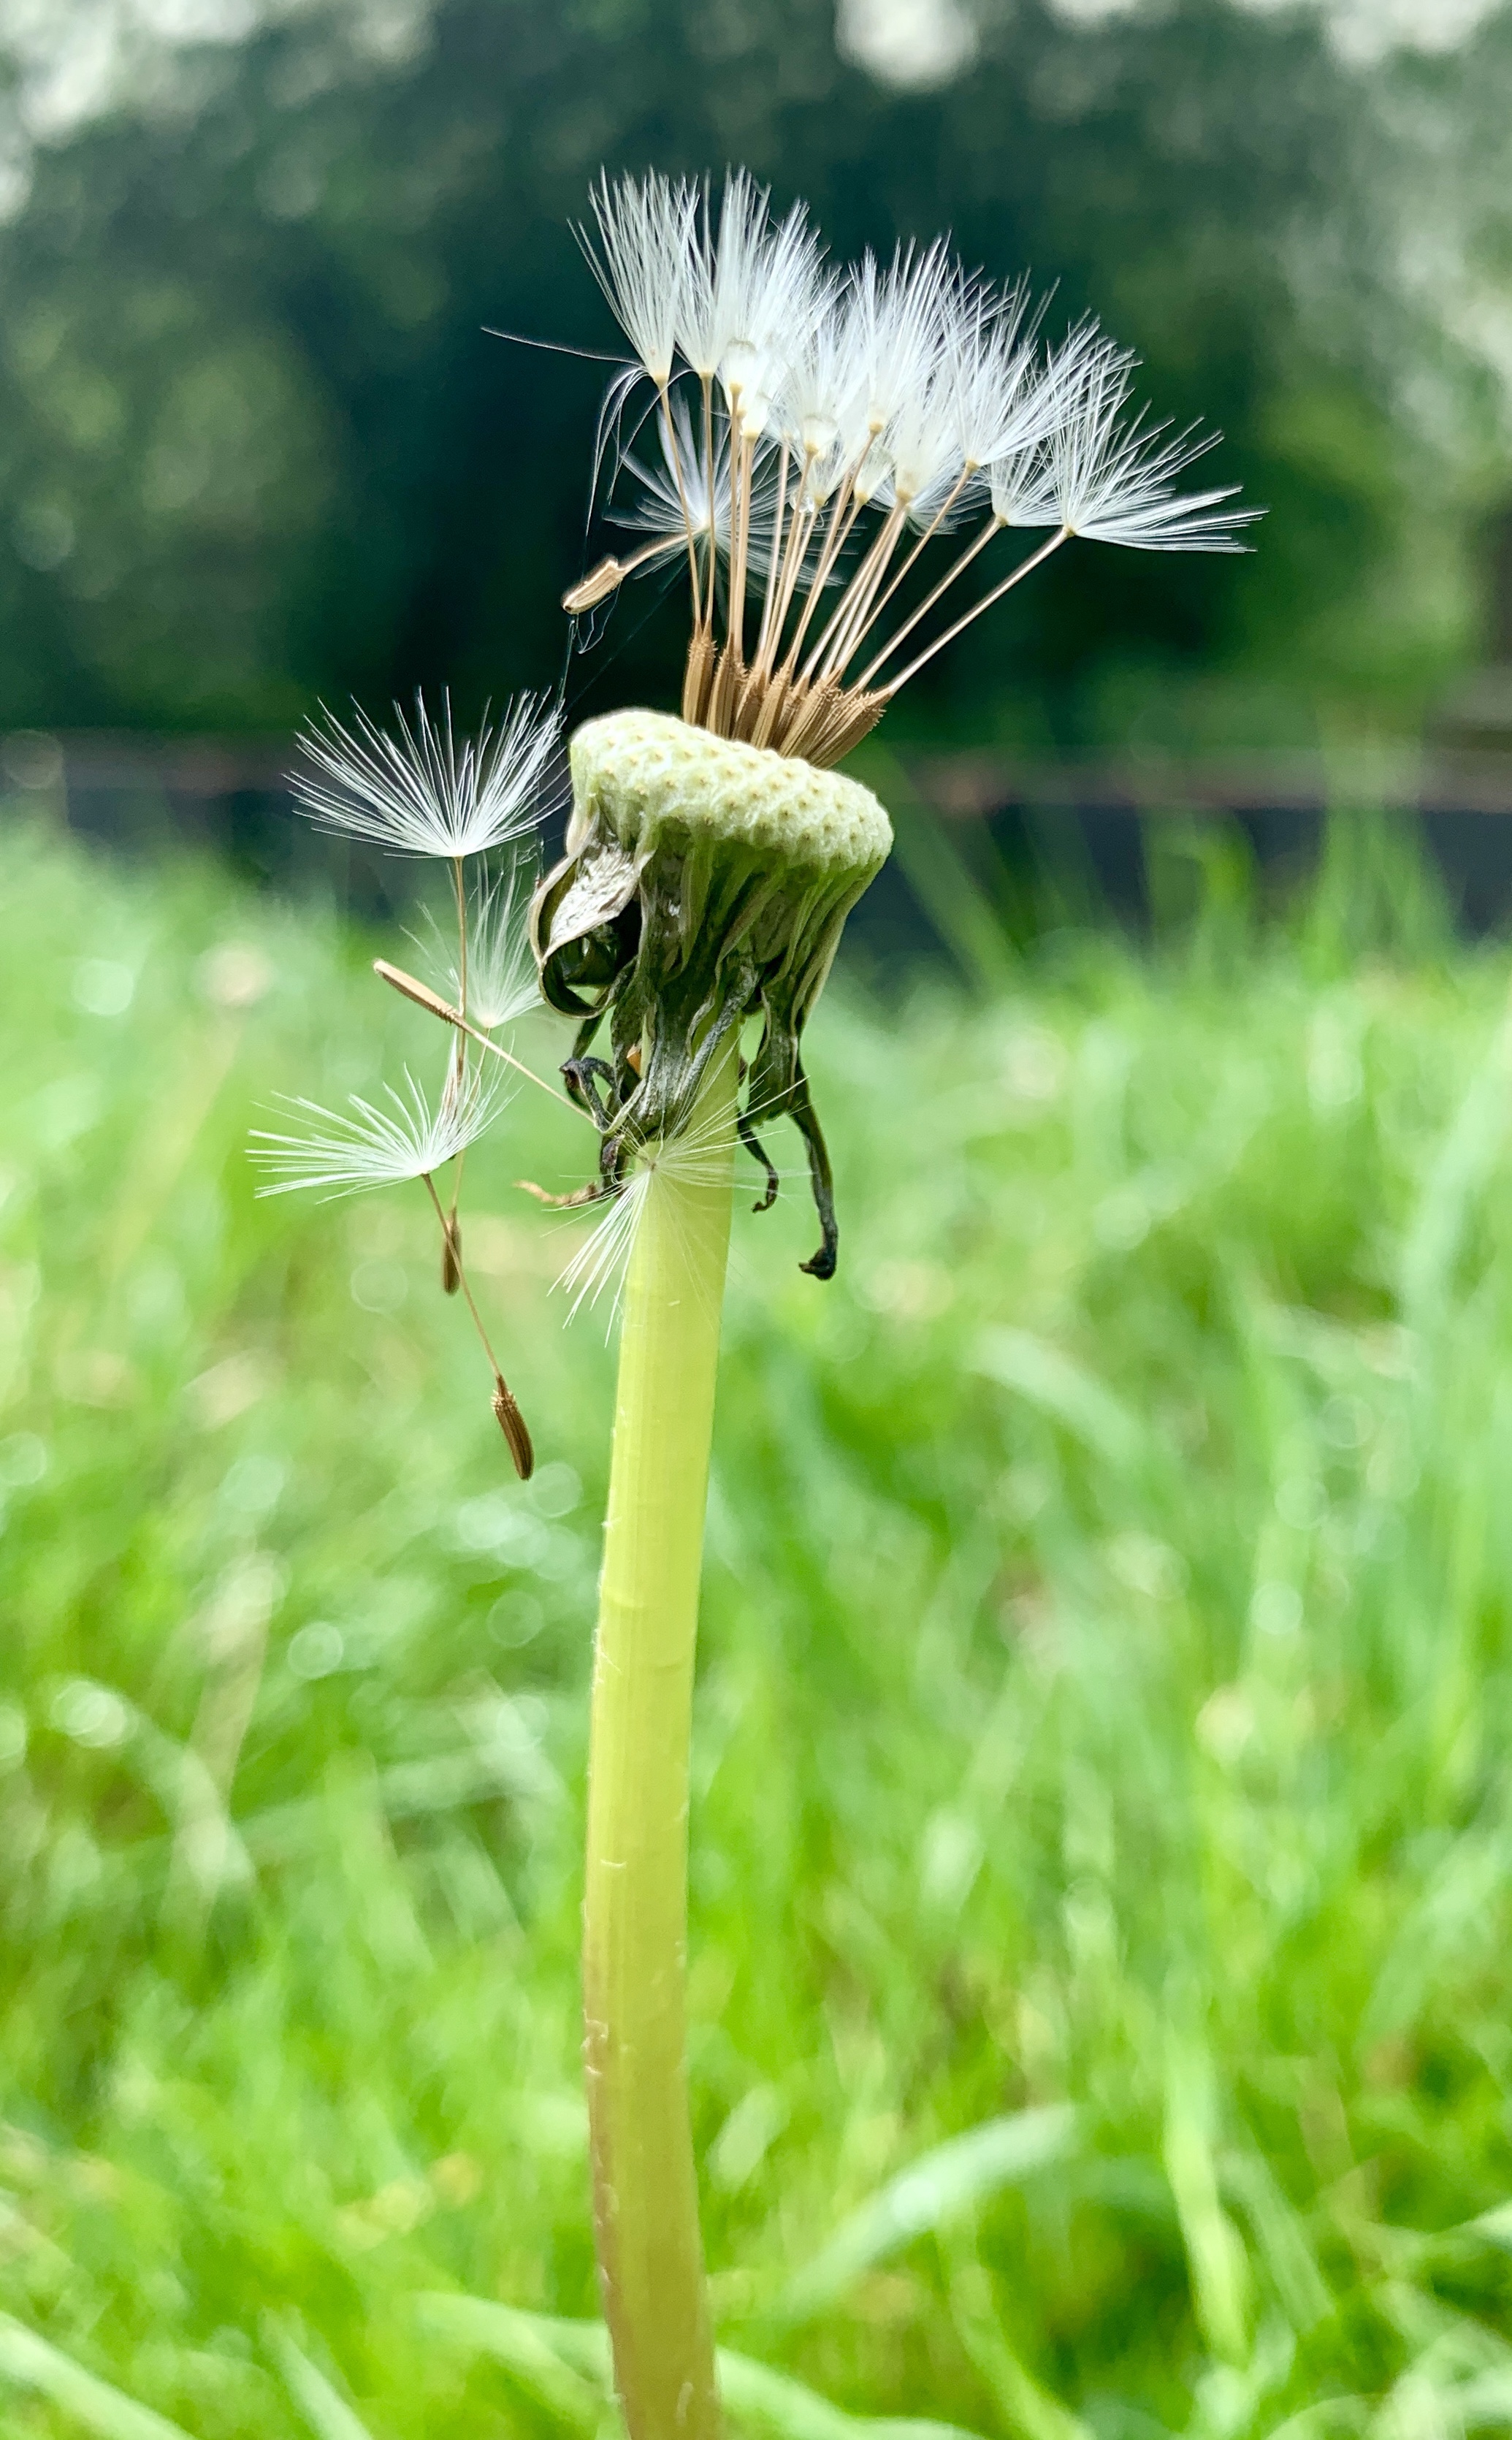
(636,1907)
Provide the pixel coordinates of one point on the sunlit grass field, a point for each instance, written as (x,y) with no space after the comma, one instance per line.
(1103,1814)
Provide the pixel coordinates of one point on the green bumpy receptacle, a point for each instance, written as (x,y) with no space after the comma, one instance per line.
(705,881)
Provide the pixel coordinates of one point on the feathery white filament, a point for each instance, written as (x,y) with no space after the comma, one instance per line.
(675,495)
(1113,478)
(501,983)
(348,1152)
(700,1156)
(767,294)
(673,502)
(602,1260)
(1021,490)
(423,793)
(647,231)
(821,406)
(895,331)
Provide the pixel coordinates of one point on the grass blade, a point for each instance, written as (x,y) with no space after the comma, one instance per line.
(327,2414)
(1064,1391)
(1216,2260)
(1030,2411)
(545,2356)
(768,2405)
(34,2362)
(775,2406)
(928,2194)
(1494,2227)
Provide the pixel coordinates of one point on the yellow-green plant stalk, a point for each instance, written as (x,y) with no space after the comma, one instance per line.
(705,884)
(635,1904)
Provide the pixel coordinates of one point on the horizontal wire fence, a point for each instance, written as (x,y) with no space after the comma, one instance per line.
(1050,842)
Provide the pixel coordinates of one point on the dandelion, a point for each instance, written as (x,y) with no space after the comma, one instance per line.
(854,463)
(846,457)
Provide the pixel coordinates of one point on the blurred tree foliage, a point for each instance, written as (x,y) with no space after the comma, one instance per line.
(256,446)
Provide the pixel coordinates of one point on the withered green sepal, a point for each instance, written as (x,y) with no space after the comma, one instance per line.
(705,881)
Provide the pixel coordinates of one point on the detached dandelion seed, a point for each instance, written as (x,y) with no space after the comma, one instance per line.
(369,1145)
(499,984)
(418,792)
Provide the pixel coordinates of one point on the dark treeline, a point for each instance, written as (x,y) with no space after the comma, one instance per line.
(256,447)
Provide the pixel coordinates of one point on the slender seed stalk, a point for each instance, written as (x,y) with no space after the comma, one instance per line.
(450,1266)
(1025,567)
(636,1906)
(766,639)
(880,548)
(921,544)
(856,611)
(674,457)
(706,394)
(844,509)
(800,533)
(742,457)
(992,527)
(423,996)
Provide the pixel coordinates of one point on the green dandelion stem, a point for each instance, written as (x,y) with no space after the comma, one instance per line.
(636,1907)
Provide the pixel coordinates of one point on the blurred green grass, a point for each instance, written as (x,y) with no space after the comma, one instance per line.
(1102,1832)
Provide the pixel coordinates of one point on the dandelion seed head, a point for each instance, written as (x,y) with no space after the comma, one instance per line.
(912,391)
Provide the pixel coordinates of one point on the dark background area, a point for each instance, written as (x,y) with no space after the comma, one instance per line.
(256,448)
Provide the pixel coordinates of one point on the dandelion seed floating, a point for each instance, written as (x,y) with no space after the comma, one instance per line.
(350,1151)
(418,791)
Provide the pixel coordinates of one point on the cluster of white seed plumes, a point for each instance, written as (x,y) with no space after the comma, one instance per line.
(817,431)
(473,806)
